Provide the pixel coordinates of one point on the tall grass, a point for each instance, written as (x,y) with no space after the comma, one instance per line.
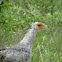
(16,18)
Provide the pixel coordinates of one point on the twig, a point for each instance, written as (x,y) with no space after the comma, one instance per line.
(40,52)
(54,41)
(54,34)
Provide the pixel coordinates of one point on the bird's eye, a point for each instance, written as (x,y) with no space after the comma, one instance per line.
(38,25)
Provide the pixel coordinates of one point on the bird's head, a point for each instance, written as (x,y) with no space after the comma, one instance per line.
(38,25)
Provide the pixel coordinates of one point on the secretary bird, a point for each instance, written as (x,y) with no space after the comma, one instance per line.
(21,52)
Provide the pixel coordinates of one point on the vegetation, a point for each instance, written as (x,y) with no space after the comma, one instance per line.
(17,15)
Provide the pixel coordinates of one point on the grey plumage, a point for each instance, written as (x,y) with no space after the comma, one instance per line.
(21,52)
(17,53)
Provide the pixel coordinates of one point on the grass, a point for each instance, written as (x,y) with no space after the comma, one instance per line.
(15,19)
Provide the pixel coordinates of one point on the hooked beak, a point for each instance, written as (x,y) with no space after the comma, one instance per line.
(45,26)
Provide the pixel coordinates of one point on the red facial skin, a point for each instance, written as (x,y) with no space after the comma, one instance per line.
(40,25)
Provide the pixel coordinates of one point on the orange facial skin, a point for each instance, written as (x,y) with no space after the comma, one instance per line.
(40,25)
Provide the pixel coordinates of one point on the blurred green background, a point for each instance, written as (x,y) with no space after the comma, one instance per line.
(17,15)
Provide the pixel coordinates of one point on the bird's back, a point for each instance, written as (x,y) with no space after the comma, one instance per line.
(17,53)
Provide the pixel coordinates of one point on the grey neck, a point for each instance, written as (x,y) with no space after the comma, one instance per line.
(29,37)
